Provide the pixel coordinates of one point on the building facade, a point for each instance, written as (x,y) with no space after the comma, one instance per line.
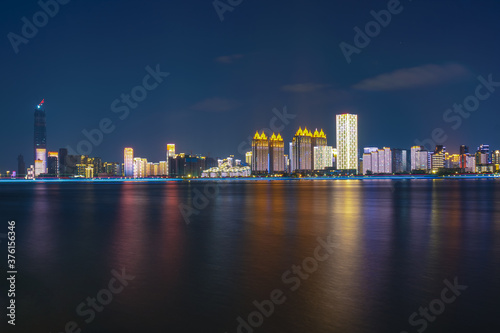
(347,141)
(128,162)
(260,153)
(276,154)
(301,151)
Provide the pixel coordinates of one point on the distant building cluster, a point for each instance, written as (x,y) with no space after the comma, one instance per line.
(308,154)
(227,168)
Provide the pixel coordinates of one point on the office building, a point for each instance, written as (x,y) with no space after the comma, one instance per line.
(347,141)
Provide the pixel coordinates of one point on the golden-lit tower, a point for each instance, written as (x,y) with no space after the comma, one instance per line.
(260,153)
(318,140)
(170,150)
(347,141)
(128,162)
(302,150)
(276,154)
(248,158)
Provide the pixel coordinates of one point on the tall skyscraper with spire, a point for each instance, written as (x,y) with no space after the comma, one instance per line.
(40,140)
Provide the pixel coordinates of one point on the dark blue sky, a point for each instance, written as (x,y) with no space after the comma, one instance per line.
(227,76)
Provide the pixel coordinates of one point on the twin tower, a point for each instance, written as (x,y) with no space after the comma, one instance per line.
(268,154)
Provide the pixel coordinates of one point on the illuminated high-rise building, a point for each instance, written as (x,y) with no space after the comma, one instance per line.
(485,150)
(347,141)
(420,158)
(170,150)
(260,153)
(318,140)
(438,158)
(464,151)
(248,158)
(163,168)
(452,161)
(400,161)
(302,151)
(495,157)
(481,157)
(323,157)
(140,167)
(40,161)
(377,161)
(128,161)
(276,154)
(170,159)
(40,139)
(470,163)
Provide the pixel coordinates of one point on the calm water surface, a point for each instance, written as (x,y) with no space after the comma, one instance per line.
(395,244)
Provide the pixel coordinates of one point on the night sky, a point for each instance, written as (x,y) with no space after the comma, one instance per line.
(227,76)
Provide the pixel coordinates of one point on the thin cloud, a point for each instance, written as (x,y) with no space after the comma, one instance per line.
(229,59)
(413,77)
(303,87)
(215,104)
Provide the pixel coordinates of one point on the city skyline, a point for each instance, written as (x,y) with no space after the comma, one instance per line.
(308,152)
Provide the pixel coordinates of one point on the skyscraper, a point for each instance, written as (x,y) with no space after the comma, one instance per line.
(248,158)
(40,140)
(464,151)
(170,150)
(260,153)
(276,154)
(170,158)
(438,158)
(485,150)
(323,157)
(128,162)
(400,160)
(318,140)
(347,141)
(302,150)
